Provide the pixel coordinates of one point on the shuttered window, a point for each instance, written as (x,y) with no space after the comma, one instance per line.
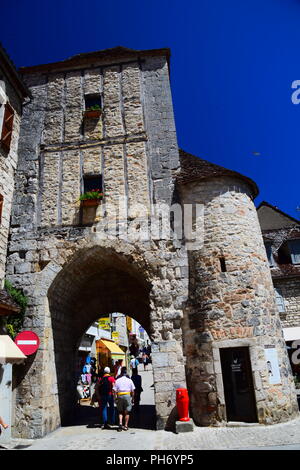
(279,300)
(294,246)
(7,127)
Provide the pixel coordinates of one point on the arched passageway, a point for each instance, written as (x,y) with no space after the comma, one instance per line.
(88,279)
(97,282)
(111,339)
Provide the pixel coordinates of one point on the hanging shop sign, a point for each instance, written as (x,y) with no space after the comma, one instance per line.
(116,336)
(129,323)
(104,323)
(28,342)
(272,365)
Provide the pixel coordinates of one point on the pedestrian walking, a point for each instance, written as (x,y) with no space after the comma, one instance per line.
(124,390)
(117,368)
(137,380)
(145,360)
(105,395)
(134,363)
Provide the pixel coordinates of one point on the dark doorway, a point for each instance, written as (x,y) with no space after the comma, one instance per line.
(238,385)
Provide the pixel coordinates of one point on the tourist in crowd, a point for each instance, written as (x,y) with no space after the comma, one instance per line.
(145,360)
(137,380)
(105,395)
(134,363)
(117,368)
(124,391)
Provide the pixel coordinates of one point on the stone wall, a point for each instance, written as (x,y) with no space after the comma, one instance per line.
(133,144)
(232,304)
(8,164)
(290,291)
(53,256)
(72,270)
(81,279)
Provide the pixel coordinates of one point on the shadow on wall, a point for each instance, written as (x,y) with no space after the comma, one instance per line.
(171,422)
(20,371)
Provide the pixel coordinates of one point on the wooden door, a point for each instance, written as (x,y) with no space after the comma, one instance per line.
(238,385)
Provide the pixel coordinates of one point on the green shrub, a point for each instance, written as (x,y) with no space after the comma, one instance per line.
(14,323)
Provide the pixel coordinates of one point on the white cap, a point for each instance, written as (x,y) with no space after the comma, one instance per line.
(107,370)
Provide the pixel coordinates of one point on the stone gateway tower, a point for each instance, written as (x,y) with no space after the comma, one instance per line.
(105,121)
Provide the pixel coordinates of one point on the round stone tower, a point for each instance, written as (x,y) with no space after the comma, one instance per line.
(236,362)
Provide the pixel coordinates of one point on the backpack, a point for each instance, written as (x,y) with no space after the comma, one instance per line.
(104,387)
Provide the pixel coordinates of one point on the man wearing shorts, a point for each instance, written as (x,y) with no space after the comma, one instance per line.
(124,391)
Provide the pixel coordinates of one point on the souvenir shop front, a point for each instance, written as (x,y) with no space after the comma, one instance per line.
(87,370)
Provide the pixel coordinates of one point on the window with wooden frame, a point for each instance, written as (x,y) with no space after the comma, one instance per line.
(7,127)
(1,207)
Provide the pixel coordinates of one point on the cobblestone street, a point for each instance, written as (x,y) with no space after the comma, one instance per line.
(141,436)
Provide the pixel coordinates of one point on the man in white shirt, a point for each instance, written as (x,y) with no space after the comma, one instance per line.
(124,392)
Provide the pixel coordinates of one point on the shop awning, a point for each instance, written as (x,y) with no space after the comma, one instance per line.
(291,334)
(9,351)
(113,347)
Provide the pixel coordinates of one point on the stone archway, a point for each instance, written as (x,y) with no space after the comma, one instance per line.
(68,294)
(96,283)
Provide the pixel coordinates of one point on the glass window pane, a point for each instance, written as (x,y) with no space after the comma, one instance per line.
(294,246)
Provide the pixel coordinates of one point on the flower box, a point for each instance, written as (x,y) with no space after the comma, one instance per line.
(91,198)
(90,202)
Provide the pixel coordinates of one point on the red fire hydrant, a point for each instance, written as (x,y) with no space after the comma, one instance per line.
(182,403)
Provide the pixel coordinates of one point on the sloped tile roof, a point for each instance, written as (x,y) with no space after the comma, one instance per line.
(88,58)
(194,169)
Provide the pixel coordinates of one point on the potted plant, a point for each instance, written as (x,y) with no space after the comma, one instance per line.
(91,198)
(93,111)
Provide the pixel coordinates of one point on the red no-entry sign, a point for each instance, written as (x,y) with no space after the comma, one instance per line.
(28,342)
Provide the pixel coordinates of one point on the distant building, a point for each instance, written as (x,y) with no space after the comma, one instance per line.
(13,93)
(281,234)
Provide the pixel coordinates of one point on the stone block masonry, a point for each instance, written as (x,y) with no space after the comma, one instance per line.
(193,304)
(70,275)
(290,291)
(231,304)
(8,164)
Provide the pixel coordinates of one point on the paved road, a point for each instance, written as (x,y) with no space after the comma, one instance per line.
(87,434)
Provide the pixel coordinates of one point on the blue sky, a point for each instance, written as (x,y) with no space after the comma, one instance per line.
(232,66)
